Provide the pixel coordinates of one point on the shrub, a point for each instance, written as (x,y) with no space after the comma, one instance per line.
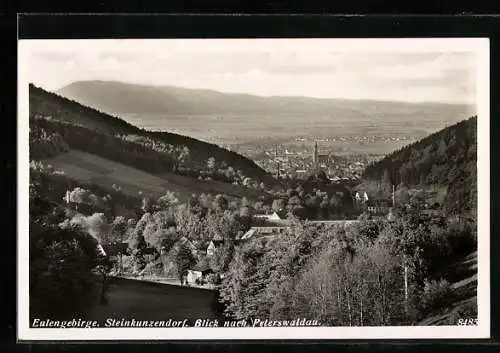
(153,269)
(213,279)
(466,311)
(62,281)
(436,294)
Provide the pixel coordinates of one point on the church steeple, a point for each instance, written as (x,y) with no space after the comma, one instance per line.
(315,155)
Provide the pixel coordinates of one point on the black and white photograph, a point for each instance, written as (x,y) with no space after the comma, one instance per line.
(180,189)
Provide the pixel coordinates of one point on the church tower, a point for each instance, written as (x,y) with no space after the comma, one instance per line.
(315,156)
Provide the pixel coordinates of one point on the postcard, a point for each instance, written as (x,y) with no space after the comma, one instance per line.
(179,189)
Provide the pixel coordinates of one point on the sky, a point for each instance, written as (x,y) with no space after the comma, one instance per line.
(393,70)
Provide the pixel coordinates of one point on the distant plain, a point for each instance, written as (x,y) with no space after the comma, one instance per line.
(230,119)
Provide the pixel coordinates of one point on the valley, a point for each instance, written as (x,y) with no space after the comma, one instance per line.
(210,209)
(230,119)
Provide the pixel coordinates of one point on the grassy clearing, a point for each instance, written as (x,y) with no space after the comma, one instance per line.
(85,167)
(140,300)
(84,160)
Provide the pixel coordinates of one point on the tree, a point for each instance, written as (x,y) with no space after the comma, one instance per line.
(147,205)
(62,261)
(245,202)
(259,207)
(335,203)
(245,212)
(221,203)
(163,239)
(242,299)
(312,201)
(211,163)
(295,207)
(79,195)
(168,200)
(230,173)
(131,223)
(324,205)
(96,225)
(278,205)
(118,228)
(184,155)
(291,192)
(247,182)
(184,259)
(321,176)
(402,195)
(137,243)
(206,201)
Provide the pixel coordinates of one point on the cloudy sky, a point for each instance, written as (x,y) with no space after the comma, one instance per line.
(356,69)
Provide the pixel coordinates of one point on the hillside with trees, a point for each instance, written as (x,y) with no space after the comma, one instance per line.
(372,274)
(189,152)
(396,270)
(446,159)
(376,272)
(414,267)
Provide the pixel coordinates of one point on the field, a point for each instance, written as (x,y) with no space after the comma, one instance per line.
(284,129)
(140,300)
(228,119)
(84,167)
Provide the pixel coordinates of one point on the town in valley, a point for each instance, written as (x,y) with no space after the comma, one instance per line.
(249,201)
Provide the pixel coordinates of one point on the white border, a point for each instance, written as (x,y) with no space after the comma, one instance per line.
(480,46)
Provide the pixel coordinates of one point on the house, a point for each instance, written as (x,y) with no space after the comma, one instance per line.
(248,234)
(260,231)
(211,248)
(343,222)
(301,173)
(216,242)
(115,248)
(100,250)
(361,198)
(279,227)
(198,274)
(272,217)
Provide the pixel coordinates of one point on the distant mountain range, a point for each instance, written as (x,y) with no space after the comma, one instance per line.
(123,98)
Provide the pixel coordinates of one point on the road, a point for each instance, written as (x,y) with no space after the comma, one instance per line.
(140,300)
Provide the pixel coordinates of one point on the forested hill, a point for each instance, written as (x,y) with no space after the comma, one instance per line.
(62,109)
(446,158)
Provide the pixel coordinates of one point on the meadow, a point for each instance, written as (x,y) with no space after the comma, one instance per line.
(85,167)
(141,300)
